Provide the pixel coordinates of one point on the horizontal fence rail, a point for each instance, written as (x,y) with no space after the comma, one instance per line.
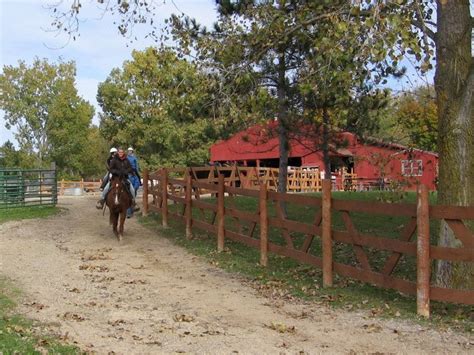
(299,179)
(77,187)
(23,188)
(329,227)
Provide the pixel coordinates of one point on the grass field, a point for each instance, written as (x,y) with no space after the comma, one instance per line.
(291,279)
(18,213)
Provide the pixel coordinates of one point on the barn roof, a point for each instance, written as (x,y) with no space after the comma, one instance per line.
(261,142)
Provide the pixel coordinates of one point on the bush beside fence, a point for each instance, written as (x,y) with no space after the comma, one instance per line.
(227,222)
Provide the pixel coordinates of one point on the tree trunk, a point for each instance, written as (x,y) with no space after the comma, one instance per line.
(325,145)
(283,164)
(282,125)
(454,83)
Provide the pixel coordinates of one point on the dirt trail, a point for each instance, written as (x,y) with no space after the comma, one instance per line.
(148,296)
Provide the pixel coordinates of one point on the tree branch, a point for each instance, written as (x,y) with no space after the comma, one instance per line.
(422,26)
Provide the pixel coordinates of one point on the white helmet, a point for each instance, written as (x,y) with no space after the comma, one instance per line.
(130,148)
(113,150)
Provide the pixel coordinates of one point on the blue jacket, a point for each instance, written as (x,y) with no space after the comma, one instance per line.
(134,178)
(134,163)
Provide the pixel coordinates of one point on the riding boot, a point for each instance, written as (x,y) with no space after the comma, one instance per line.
(104,182)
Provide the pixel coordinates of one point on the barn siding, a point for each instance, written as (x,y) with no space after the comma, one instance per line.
(257,143)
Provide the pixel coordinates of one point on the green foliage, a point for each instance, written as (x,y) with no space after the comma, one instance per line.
(51,120)
(416,115)
(94,156)
(311,57)
(13,158)
(159,104)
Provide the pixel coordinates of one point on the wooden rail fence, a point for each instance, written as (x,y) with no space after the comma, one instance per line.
(299,179)
(84,186)
(222,218)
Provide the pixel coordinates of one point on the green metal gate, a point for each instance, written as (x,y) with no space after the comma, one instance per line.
(22,188)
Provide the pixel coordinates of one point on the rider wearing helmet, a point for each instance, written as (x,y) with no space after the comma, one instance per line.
(105,180)
(135,177)
(113,153)
(132,158)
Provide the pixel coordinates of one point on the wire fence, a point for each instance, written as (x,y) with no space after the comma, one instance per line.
(24,188)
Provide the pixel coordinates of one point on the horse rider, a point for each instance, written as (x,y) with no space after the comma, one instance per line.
(135,179)
(119,166)
(105,180)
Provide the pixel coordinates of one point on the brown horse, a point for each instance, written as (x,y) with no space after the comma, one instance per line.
(118,201)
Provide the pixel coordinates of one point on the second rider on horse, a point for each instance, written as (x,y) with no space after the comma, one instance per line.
(119,166)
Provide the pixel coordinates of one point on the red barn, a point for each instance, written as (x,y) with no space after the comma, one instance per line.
(371,160)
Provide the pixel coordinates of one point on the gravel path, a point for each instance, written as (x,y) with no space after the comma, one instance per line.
(148,296)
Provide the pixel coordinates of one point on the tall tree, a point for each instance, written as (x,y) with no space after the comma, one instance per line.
(42,103)
(93,159)
(159,104)
(415,119)
(303,53)
(454,84)
(10,157)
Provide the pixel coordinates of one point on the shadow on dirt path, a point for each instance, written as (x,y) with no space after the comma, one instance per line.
(148,296)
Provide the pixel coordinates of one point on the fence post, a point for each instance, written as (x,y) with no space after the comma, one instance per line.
(164,199)
(188,201)
(262,202)
(145,193)
(423,269)
(220,214)
(326,234)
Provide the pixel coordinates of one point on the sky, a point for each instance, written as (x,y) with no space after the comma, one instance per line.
(100,48)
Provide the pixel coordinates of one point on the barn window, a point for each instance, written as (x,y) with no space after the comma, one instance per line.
(412,167)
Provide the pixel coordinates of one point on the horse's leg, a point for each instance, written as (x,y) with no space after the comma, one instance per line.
(114,217)
(123,214)
(111,217)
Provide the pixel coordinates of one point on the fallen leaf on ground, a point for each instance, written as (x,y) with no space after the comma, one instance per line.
(281,327)
(153,342)
(98,268)
(73,316)
(35,305)
(372,328)
(135,282)
(183,318)
(100,256)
